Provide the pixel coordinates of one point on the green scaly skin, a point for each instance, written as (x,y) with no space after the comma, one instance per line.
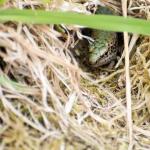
(103,50)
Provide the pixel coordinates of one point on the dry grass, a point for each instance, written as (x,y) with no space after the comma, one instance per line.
(49,102)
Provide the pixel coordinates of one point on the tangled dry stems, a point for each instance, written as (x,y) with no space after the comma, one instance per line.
(49,102)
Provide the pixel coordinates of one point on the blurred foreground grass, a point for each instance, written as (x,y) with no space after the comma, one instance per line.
(104,22)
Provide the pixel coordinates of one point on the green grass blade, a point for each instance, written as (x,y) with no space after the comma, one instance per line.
(8,83)
(104,22)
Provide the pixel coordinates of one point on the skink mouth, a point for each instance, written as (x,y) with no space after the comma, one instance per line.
(105,60)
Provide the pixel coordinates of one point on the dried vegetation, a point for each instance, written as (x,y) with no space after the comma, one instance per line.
(49,102)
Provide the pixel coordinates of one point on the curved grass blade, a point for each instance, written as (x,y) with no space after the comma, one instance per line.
(104,22)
